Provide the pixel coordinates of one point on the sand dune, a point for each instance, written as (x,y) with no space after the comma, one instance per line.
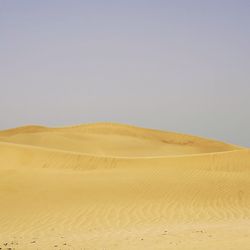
(113,186)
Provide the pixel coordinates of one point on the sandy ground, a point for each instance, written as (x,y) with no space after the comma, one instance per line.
(112,186)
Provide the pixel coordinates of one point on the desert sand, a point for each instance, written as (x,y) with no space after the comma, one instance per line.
(113,186)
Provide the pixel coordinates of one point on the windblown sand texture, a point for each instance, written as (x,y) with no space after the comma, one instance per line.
(112,186)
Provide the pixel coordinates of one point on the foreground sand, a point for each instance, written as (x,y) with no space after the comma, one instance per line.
(109,186)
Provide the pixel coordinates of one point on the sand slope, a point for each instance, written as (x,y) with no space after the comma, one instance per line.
(113,186)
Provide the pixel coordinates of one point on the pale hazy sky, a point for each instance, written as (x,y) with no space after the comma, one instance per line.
(172,65)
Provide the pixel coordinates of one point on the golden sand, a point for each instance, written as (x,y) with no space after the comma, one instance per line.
(112,186)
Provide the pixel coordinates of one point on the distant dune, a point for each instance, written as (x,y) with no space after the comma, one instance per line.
(113,186)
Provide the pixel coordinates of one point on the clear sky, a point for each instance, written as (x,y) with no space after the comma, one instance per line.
(172,65)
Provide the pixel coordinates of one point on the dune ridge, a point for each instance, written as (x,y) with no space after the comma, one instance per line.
(107,135)
(115,186)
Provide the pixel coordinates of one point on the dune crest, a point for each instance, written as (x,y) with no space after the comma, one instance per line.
(113,140)
(115,186)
